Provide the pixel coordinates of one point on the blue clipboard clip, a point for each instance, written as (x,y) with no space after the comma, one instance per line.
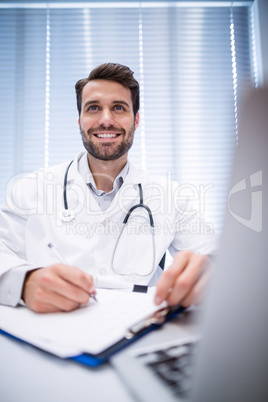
(156,319)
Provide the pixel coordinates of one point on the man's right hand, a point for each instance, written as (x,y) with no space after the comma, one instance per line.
(57,287)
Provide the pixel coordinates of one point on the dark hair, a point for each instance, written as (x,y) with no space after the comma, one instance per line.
(113,72)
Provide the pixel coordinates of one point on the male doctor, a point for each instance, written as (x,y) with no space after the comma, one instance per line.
(79,209)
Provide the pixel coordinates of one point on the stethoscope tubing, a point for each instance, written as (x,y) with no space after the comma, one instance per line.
(67,215)
(140,205)
(65,202)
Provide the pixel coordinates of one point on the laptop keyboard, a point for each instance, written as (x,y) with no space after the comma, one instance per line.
(173,365)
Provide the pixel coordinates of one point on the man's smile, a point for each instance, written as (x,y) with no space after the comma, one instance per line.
(106,135)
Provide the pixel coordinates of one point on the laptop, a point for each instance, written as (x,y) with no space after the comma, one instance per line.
(219,352)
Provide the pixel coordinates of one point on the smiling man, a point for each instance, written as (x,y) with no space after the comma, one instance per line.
(107,125)
(104,190)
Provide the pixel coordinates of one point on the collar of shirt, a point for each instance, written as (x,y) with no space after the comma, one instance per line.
(85,172)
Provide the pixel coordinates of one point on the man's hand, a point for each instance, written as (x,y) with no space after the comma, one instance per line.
(57,287)
(184,281)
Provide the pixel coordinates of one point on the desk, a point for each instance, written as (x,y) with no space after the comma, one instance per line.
(30,375)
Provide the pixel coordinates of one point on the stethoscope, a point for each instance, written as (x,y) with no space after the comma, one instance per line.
(67,215)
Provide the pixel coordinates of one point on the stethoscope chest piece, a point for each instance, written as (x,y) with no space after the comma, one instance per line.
(66,215)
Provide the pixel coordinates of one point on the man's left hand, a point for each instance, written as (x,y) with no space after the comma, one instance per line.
(185,280)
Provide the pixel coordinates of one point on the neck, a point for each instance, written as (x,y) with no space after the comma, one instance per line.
(105,172)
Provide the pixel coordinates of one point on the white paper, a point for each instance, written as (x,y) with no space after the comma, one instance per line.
(92,328)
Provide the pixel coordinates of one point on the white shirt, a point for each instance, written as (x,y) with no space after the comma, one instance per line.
(103,199)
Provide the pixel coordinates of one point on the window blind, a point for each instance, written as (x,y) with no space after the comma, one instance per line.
(191,61)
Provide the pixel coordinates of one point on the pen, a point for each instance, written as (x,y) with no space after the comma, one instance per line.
(62,259)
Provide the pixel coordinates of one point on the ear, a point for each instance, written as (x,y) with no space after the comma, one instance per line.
(137,120)
(78,121)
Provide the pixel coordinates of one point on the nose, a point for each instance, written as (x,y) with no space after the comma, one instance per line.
(106,119)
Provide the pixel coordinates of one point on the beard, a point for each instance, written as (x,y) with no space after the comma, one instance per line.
(108,151)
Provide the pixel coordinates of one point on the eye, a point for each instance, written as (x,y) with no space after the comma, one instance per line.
(118,107)
(93,108)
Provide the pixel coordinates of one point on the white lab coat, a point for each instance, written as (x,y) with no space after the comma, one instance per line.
(30,220)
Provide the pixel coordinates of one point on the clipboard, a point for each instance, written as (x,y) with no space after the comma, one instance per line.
(134,333)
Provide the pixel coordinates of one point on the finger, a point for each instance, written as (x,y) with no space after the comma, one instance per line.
(43,301)
(43,308)
(75,276)
(56,304)
(186,281)
(169,277)
(51,285)
(197,293)
(46,286)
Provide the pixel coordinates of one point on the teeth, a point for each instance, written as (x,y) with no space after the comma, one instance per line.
(106,135)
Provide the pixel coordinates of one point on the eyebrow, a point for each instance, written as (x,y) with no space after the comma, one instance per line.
(96,101)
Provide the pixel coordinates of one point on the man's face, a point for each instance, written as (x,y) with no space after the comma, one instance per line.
(107,122)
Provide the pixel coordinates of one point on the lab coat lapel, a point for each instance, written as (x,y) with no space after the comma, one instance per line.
(80,195)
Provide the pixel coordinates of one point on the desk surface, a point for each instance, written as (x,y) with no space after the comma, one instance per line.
(28,374)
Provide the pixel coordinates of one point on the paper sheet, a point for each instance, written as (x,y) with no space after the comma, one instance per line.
(92,328)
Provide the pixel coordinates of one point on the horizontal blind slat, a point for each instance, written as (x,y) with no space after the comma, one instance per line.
(189,114)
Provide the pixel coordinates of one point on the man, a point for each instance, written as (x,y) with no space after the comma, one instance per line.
(101,187)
